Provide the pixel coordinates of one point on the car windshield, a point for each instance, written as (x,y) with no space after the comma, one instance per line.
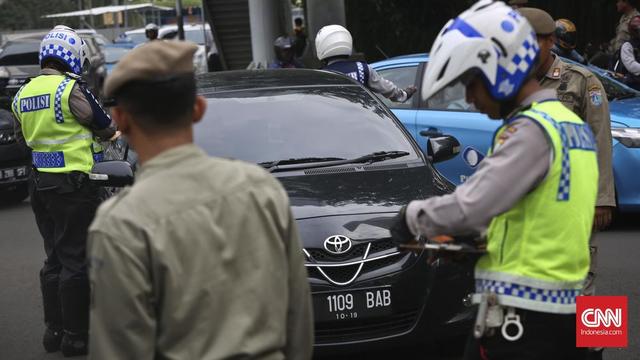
(270,125)
(615,89)
(20,53)
(113,54)
(137,38)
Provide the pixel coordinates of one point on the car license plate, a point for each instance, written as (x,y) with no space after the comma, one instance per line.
(19,172)
(352,304)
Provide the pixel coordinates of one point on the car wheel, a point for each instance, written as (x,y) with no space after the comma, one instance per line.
(14,195)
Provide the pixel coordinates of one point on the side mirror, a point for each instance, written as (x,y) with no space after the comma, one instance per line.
(113,173)
(442,148)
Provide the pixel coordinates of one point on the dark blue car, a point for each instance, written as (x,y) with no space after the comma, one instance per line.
(448,113)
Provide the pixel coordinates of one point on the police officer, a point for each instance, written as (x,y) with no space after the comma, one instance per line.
(200,258)
(541,166)
(627,62)
(580,91)
(151,31)
(565,41)
(629,11)
(283,47)
(58,118)
(334,45)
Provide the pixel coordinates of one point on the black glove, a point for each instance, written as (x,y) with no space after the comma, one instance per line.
(410,90)
(400,233)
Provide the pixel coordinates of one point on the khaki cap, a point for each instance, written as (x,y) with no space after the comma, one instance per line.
(518,2)
(540,20)
(152,61)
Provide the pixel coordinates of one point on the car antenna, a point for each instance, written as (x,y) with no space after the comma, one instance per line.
(382,52)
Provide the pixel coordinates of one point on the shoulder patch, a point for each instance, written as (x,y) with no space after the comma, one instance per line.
(595,96)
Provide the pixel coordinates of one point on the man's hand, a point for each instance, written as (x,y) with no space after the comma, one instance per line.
(410,90)
(400,233)
(115,136)
(602,217)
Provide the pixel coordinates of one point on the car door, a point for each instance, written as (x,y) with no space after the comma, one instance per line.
(403,75)
(448,113)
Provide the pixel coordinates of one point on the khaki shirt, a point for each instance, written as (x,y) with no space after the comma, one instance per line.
(199,259)
(622,31)
(582,92)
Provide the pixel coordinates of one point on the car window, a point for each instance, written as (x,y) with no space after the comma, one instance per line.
(19,53)
(451,98)
(402,77)
(269,125)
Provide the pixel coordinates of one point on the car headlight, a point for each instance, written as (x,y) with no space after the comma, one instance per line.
(629,137)
(3,72)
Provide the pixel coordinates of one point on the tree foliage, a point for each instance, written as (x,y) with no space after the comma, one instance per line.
(27,14)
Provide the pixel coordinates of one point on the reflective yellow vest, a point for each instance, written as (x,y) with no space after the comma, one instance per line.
(538,251)
(60,144)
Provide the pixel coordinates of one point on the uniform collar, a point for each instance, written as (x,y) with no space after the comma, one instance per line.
(49,71)
(169,158)
(556,68)
(536,97)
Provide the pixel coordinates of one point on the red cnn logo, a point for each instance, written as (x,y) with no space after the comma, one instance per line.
(601,321)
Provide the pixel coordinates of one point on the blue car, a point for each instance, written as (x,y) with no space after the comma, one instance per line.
(448,113)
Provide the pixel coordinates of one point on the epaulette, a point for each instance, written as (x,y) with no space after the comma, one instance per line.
(76,77)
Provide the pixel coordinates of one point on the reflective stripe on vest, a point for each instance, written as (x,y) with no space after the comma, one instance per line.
(538,251)
(60,144)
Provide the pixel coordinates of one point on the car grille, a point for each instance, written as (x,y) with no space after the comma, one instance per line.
(366,330)
(344,269)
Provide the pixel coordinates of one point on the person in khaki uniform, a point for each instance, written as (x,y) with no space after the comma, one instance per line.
(629,11)
(200,258)
(580,91)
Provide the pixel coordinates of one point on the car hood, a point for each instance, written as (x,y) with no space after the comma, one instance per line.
(626,112)
(358,192)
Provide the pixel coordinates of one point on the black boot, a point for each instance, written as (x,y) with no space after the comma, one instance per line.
(52,314)
(51,339)
(74,298)
(74,344)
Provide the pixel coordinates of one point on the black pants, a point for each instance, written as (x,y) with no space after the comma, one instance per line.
(546,336)
(64,206)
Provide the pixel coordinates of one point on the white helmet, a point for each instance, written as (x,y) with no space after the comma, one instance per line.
(333,40)
(63,44)
(151,26)
(491,38)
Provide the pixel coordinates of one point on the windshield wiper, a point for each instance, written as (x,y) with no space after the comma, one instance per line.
(271,164)
(310,163)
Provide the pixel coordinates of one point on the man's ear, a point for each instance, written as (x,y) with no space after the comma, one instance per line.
(121,118)
(199,108)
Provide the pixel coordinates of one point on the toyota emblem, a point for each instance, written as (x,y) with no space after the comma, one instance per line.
(337,244)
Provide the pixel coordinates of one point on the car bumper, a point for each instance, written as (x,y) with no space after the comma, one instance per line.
(427,304)
(15,164)
(626,161)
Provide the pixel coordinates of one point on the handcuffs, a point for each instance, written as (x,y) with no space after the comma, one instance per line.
(491,315)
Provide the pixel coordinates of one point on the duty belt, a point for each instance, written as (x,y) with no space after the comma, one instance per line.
(491,315)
